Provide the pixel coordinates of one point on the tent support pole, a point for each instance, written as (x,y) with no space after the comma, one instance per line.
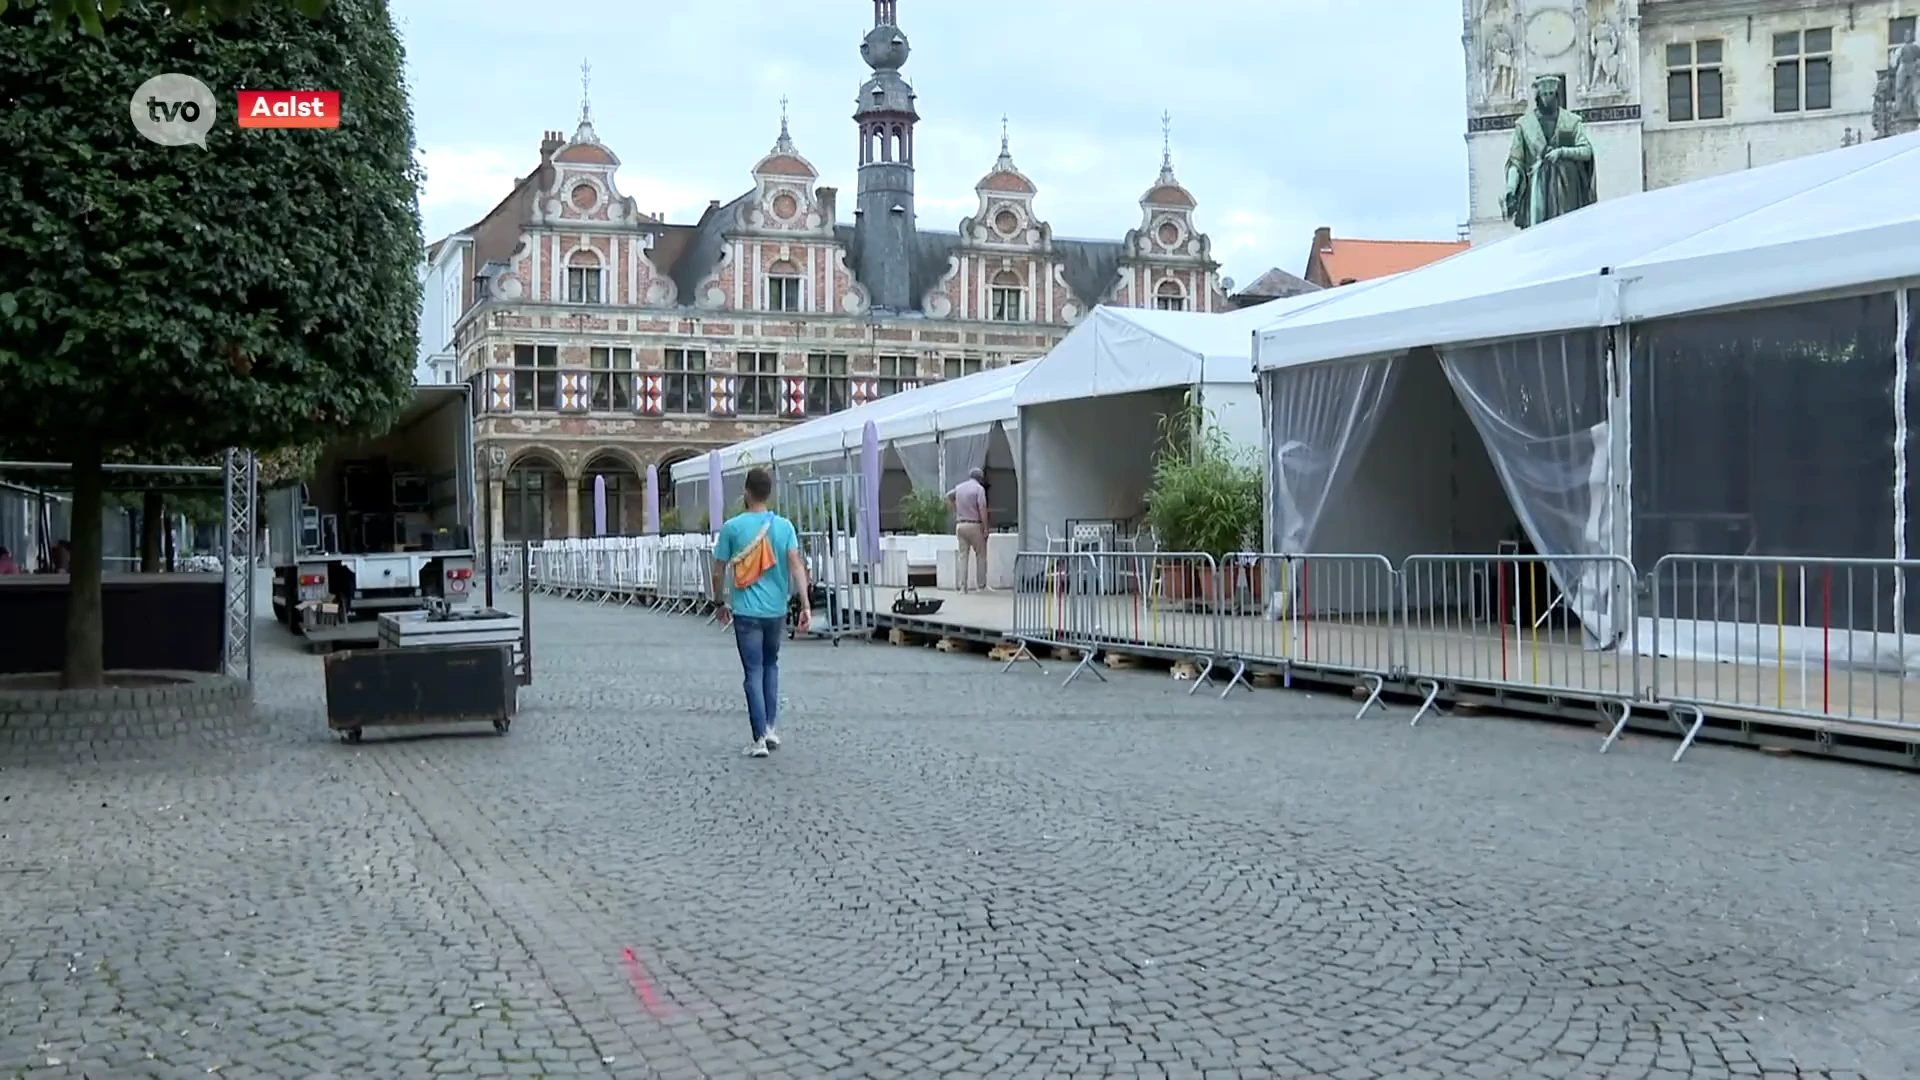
(1618,347)
(1903,329)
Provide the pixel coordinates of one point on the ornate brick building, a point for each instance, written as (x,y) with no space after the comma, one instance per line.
(601,338)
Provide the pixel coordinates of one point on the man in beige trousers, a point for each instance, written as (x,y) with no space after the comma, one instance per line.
(968,501)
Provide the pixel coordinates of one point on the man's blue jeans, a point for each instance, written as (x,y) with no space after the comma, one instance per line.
(759,644)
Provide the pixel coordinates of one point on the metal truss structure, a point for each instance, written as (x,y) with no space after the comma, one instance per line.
(239,475)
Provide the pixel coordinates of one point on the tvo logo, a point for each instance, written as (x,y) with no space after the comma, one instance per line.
(174,110)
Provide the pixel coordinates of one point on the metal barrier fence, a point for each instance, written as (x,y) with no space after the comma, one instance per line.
(1818,642)
(1822,644)
(673,572)
(1329,612)
(826,512)
(1822,640)
(1050,611)
(676,573)
(1521,622)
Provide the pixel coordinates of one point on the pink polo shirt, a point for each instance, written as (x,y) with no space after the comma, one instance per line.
(969,502)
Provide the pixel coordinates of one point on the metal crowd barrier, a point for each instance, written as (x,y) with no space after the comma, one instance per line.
(826,512)
(673,573)
(1817,642)
(1049,611)
(1825,641)
(1332,613)
(1542,624)
(509,568)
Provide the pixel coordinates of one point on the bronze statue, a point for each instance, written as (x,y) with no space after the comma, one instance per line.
(1550,162)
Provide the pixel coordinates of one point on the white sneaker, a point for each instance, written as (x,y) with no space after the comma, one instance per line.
(773,739)
(758,749)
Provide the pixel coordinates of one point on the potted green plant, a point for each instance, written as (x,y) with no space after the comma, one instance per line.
(924,512)
(670,522)
(1205,497)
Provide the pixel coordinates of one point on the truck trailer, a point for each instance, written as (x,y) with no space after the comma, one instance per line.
(383,523)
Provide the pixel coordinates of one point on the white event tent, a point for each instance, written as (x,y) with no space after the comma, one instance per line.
(1717,368)
(1090,411)
(929,436)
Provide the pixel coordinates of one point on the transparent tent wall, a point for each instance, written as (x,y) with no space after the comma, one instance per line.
(1774,432)
(921,460)
(1543,407)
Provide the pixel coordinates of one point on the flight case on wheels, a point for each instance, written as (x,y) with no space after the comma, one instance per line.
(433,667)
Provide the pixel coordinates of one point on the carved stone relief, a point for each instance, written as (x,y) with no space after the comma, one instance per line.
(1588,42)
(1607,52)
(1494,54)
(1902,108)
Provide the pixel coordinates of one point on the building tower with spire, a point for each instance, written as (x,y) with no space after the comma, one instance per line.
(884,205)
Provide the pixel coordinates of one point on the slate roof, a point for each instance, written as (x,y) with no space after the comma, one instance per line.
(1276,284)
(688,253)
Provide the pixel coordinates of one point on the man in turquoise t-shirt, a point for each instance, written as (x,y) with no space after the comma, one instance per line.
(761,548)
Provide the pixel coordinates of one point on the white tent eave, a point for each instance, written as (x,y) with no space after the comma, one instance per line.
(1824,222)
(1823,264)
(1116,351)
(910,414)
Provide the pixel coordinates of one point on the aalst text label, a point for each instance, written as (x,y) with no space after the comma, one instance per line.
(289,108)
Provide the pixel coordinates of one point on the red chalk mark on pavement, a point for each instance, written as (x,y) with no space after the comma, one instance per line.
(642,986)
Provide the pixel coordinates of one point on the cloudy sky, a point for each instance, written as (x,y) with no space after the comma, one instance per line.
(1286,114)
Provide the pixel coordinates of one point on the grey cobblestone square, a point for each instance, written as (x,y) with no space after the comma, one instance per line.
(945,872)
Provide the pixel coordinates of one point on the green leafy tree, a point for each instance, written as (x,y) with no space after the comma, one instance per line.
(167,302)
(92,16)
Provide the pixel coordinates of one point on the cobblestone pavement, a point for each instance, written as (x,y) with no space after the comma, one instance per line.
(947,872)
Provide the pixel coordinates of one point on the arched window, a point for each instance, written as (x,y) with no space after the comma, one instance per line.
(1170,296)
(1007,298)
(530,491)
(584,278)
(783,287)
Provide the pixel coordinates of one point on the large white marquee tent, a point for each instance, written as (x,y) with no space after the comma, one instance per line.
(1718,368)
(1090,411)
(928,434)
(1097,399)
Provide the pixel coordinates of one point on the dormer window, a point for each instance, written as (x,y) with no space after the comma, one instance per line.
(583,279)
(1007,300)
(1169,296)
(783,287)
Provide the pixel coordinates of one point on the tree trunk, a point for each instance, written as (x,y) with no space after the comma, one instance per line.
(86,662)
(153,525)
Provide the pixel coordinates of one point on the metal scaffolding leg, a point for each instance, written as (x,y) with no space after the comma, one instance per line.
(237,561)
